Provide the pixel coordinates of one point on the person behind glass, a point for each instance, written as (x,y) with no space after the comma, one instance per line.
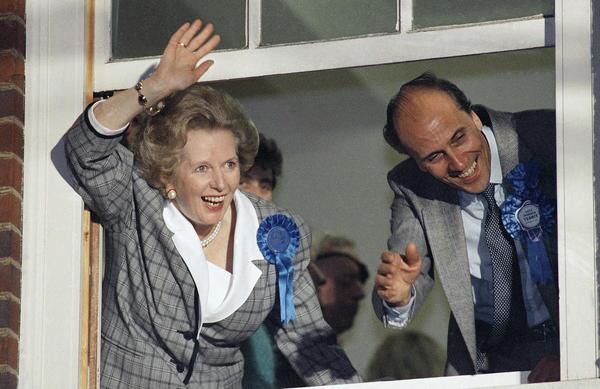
(185,280)
(340,277)
(471,168)
(406,355)
(261,178)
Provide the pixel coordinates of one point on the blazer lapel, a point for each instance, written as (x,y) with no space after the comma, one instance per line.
(245,252)
(511,153)
(188,247)
(507,142)
(452,264)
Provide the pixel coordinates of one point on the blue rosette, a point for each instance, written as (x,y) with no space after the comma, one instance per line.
(278,239)
(528,216)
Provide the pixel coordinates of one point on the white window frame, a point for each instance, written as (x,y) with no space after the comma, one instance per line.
(575,179)
(376,49)
(51,271)
(49,342)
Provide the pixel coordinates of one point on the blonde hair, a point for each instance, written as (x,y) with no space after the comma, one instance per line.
(158,141)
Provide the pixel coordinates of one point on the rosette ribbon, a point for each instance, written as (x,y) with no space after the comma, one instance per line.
(528,215)
(278,239)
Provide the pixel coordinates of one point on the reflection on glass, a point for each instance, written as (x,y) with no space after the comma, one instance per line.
(289,21)
(431,13)
(141,28)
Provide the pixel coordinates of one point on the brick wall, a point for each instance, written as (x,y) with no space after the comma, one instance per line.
(12,106)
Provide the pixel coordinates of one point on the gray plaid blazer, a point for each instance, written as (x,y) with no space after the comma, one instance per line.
(427,213)
(150,306)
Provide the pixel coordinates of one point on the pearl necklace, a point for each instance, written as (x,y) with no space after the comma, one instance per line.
(212,235)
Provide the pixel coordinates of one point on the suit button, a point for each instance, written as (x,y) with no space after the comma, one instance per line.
(180,367)
(188,335)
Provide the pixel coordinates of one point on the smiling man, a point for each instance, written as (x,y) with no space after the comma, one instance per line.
(451,197)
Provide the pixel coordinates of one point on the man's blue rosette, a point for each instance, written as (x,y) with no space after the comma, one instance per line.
(278,239)
(528,215)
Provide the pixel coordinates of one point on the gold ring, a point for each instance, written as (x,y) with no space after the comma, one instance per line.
(182,44)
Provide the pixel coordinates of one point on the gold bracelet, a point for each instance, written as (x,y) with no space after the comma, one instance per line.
(143,101)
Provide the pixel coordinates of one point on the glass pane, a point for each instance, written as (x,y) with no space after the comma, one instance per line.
(430,13)
(290,21)
(141,28)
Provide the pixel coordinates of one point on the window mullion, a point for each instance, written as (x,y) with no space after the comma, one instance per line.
(405,9)
(254,8)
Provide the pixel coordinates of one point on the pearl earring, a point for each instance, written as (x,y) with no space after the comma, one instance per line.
(171,194)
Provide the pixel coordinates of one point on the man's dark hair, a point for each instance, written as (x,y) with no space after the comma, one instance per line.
(269,157)
(427,80)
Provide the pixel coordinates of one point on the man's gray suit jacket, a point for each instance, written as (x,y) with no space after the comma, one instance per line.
(150,306)
(427,213)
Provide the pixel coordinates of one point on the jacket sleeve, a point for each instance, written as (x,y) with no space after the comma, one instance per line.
(308,342)
(102,170)
(406,227)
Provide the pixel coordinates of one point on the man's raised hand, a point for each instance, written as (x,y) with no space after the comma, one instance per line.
(396,274)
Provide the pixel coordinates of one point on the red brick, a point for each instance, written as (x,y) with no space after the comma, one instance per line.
(12,69)
(10,311)
(11,65)
(10,210)
(8,380)
(9,351)
(11,139)
(12,33)
(12,103)
(10,245)
(12,174)
(10,279)
(15,7)
(18,80)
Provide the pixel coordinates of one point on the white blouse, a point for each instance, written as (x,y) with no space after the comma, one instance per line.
(221,293)
(221,280)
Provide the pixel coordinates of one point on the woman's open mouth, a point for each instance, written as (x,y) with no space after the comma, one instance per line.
(213,201)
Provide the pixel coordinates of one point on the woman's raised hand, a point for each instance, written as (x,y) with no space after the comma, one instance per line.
(180,64)
(179,68)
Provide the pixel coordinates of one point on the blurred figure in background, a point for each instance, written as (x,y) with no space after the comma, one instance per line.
(340,277)
(406,355)
(261,179)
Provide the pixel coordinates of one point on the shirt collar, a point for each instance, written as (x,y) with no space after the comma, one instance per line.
(245,245)
(245,228)
(495,168)
(245,273)
(468,200)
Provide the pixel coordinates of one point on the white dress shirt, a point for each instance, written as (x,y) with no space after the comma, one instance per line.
(99,127)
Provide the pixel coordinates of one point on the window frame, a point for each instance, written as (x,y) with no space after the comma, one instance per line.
(578,304)
(55,73)
(256,60)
